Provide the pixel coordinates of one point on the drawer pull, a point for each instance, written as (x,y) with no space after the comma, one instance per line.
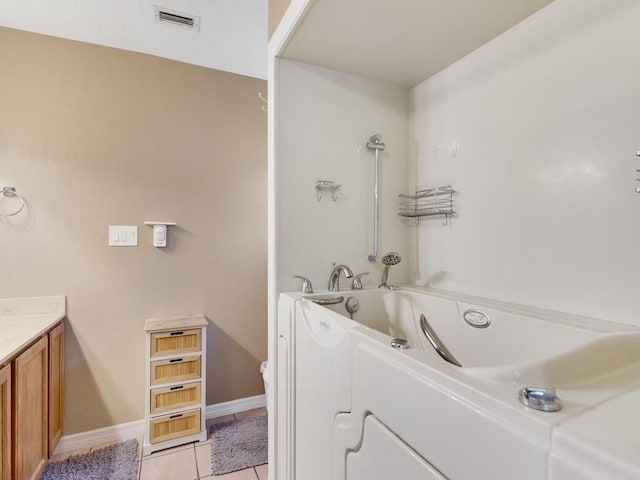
(177,388)
(175,416)
(173,334)
(173,360)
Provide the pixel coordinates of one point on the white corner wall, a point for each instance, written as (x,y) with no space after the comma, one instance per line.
(323,122)
(546,118)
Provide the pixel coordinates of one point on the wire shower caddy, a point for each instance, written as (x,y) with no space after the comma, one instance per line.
(435,201)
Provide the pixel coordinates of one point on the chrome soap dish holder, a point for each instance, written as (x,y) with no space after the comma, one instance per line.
(327,186)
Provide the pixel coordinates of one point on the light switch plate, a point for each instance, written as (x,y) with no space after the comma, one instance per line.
(123,236)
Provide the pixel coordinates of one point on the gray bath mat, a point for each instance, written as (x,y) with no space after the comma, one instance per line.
(238,444)
(114,462)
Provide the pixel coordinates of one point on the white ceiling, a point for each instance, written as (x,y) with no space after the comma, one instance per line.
(232,37)
(402,42)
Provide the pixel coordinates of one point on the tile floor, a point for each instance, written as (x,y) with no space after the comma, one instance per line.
(188,462)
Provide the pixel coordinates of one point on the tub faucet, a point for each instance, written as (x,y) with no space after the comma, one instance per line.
(334,279)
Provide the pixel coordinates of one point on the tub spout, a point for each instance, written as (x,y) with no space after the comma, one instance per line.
(334,278)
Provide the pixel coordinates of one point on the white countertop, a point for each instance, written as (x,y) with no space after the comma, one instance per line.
(22,320)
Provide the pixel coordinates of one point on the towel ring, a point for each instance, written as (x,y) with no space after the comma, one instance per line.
(11,192)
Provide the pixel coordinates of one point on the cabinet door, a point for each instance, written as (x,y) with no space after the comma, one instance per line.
(5,423)
(56,385)
(30,411)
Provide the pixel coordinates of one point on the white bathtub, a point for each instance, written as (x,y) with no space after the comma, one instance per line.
(521,344)
(355,407)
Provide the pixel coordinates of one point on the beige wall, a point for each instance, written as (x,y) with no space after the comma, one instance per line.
(276,11)
(93,136)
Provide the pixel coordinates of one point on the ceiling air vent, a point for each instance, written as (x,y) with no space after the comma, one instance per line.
(179,19)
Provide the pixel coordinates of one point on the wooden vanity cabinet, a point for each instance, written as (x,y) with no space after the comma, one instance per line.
(5,422)
(31,411)
(31,405)
(56,385)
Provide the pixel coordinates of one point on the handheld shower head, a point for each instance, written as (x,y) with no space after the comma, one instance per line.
(388,260)
(391,258)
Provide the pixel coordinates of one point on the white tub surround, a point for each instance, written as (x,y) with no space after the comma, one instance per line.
(602,443)
(308,226)
(354,395)
(24,319)
(545,122)
(533,126)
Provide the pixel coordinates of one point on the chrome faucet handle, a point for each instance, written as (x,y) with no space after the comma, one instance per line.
(356,284)
(307,287)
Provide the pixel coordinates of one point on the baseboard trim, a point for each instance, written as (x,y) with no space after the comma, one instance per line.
(122,431)
(235,406)
(125,431)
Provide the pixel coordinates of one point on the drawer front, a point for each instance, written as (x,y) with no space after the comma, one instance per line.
(178,425)
(176,341)
(175,370)
(171,398)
